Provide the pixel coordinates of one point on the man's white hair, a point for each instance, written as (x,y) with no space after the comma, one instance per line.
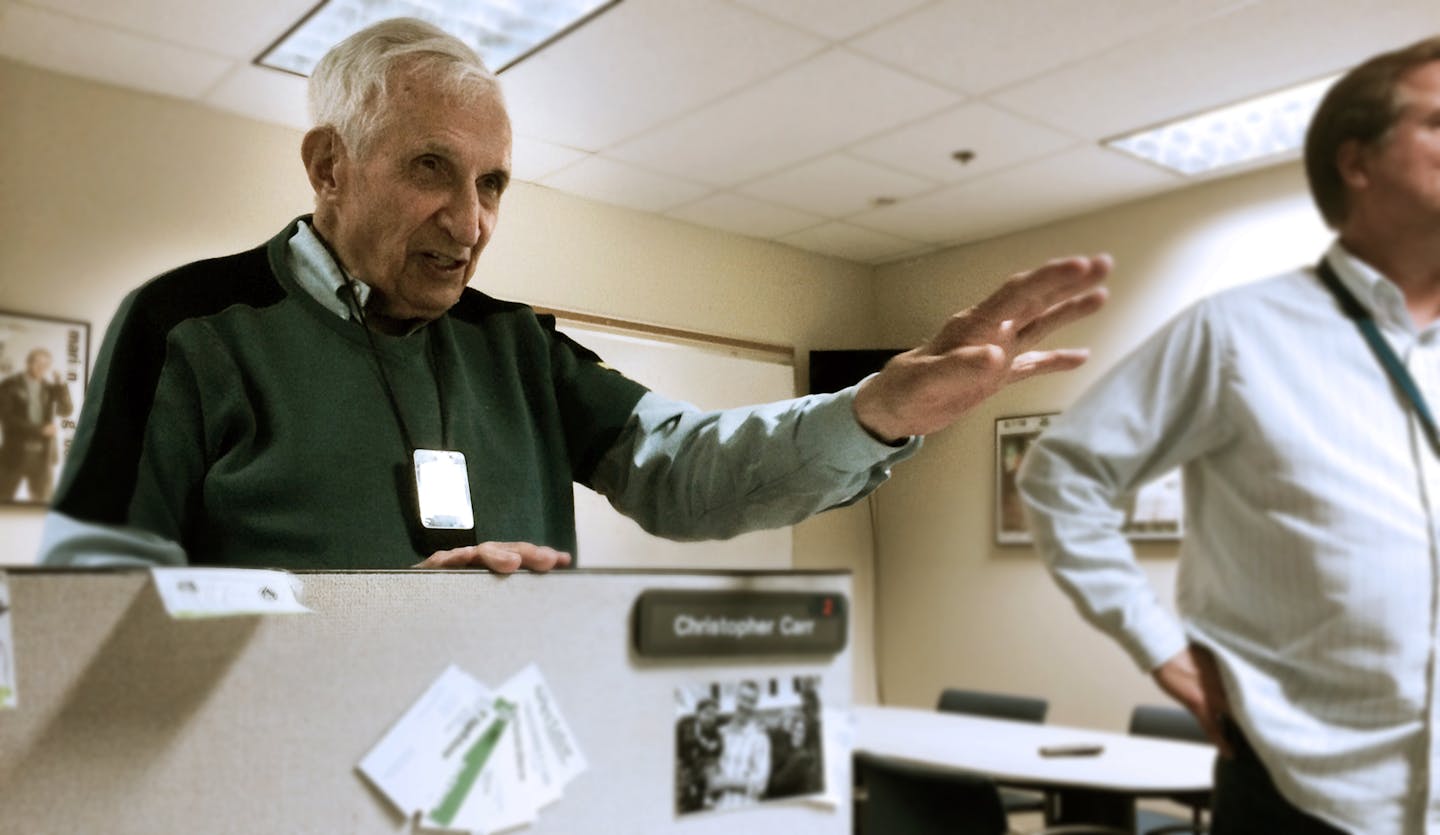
(350,86)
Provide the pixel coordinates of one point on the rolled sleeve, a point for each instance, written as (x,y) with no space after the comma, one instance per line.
(684,473)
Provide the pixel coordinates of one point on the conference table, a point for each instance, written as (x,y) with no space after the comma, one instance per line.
(1089,788)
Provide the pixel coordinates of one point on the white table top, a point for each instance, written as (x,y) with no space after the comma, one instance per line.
(1009,752)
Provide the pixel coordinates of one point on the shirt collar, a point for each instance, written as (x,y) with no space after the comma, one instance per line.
(318,274)
(1373,290)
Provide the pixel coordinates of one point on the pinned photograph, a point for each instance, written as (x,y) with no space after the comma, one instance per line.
(741,743)
(44,364)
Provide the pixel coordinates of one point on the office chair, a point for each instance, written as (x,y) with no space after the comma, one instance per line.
(1166,722)
(901,798)
(993,705)
(1000,706)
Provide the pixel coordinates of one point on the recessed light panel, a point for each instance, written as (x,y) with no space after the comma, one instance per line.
(501,31)
(1270,126)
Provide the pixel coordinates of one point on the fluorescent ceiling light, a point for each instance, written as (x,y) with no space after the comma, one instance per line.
(1269,127)
(501,31)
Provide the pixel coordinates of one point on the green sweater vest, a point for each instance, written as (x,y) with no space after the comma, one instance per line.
(233,414)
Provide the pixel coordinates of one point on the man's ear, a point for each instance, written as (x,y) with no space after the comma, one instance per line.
(323,153)
(1350,162)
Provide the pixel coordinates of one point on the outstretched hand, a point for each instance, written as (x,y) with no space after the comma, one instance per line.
(983,349)
(500,557)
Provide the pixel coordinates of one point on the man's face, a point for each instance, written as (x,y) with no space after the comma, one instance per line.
(413,214)
(37,365)
(745,699)
(1402,170)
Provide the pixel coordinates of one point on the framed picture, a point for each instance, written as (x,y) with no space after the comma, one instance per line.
(44,366)
(1013,437)
(1155,512)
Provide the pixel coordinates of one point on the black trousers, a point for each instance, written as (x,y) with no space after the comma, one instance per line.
(30,466)
(1246,801)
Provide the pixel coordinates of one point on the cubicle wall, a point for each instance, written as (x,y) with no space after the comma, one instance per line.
(129,721)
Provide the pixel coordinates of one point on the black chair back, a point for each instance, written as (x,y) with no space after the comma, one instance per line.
(1166,721)
(993,705)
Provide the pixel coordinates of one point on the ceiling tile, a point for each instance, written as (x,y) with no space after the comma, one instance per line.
(63,44)
(1223,60)
(643,62)
(534,159)
(833,19)
(744,216)
(851,242)
(836,186)
(827,102)
(267,95)
(977,47)
(234,30)
(1028,195)
(998,140)
(612,182)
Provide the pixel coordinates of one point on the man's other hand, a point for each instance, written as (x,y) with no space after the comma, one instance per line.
(499,557)
(982,349)
(1192,678)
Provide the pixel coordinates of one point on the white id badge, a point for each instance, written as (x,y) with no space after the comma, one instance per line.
(443,487)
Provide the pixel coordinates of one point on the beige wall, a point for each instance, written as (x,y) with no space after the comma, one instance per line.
(954,609)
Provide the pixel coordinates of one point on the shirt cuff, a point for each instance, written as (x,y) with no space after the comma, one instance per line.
(831,434)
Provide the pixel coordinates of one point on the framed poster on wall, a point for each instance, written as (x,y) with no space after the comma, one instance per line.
(1013,437)
(1155,512)
(44,364)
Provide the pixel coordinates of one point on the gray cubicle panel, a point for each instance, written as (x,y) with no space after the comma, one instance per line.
(131,722)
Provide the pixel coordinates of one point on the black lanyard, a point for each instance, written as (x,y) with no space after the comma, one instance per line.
(1382,350)
(359,310)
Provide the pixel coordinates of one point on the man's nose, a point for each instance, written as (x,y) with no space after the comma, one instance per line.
(462,215)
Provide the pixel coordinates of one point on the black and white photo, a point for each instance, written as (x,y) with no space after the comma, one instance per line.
(746,742)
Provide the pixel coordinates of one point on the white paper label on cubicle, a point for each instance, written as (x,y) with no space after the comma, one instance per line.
(467,759)
(9,692)
(228,592)
(564,758)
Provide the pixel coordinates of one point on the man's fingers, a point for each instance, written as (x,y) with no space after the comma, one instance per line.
(499,557)
(1214,727)
(1062,314)
(1035,363)
(541,558)
(1026,296)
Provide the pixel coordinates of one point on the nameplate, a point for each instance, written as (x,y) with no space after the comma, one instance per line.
(725,623)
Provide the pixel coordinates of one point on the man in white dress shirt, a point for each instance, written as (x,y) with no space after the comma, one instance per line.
(1309,586)
(744,766)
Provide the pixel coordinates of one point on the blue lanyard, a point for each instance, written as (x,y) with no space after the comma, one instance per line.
(1382,350)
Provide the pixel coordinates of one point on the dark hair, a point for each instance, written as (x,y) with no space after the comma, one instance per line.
(1363,105)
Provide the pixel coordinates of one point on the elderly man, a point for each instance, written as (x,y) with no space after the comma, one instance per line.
(1307,645)
(29,404)
(278,407)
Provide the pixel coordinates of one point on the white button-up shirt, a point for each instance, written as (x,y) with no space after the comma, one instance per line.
(1309,560)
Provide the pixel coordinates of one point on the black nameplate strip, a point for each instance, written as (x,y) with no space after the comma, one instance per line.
(672,624)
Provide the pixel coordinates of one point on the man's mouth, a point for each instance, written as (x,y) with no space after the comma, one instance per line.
(445,262)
